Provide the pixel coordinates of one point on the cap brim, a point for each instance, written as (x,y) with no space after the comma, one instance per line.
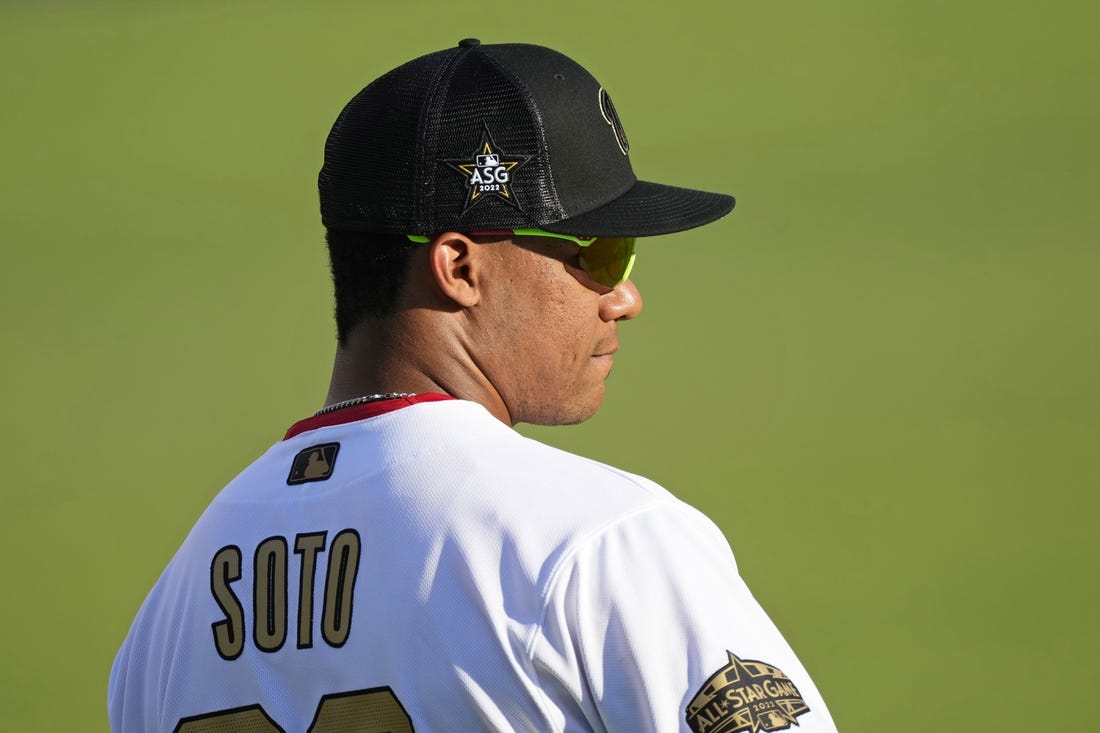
(646,210)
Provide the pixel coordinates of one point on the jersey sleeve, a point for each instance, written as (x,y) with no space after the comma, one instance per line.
(643,623)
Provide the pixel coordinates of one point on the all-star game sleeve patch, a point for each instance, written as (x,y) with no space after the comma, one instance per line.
(314,463)
(745,695)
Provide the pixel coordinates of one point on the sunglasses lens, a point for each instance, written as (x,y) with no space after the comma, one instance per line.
(608,260)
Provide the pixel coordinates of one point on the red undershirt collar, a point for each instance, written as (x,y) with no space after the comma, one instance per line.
(361,412)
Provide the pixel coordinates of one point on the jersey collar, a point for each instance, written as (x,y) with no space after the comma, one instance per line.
(360,412)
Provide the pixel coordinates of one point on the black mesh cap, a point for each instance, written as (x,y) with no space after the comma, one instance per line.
(508,136)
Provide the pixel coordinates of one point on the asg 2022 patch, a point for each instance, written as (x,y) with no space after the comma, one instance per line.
(488,172)
(745,695)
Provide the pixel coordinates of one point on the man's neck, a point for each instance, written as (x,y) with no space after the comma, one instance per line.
(376,362)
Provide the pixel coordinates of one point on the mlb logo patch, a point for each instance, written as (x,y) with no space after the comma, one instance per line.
(314,463)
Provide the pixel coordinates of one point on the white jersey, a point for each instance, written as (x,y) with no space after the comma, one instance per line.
(417,565)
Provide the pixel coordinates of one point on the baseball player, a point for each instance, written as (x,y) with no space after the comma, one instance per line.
(403,560)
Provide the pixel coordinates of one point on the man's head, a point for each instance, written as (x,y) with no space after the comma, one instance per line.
(484,194)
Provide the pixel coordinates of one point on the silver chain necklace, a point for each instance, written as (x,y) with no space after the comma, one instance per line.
(363,400)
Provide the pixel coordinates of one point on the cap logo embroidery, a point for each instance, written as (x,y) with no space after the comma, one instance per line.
(611,117)
(745,695)
(488,172)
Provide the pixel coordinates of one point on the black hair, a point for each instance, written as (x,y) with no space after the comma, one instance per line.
(368,271)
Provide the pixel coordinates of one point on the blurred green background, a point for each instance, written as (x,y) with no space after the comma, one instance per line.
(879,375)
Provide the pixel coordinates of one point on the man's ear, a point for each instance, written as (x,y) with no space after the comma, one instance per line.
(456,264)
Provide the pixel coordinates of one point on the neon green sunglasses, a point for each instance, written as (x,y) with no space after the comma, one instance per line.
(607,260)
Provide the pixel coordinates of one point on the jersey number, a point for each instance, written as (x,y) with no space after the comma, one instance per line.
(364,711)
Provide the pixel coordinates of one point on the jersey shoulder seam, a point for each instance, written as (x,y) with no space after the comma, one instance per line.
(593,535)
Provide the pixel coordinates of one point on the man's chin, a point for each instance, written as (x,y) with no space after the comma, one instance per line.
(573,413)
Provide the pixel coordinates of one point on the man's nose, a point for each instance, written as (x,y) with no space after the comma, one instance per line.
(621,303)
